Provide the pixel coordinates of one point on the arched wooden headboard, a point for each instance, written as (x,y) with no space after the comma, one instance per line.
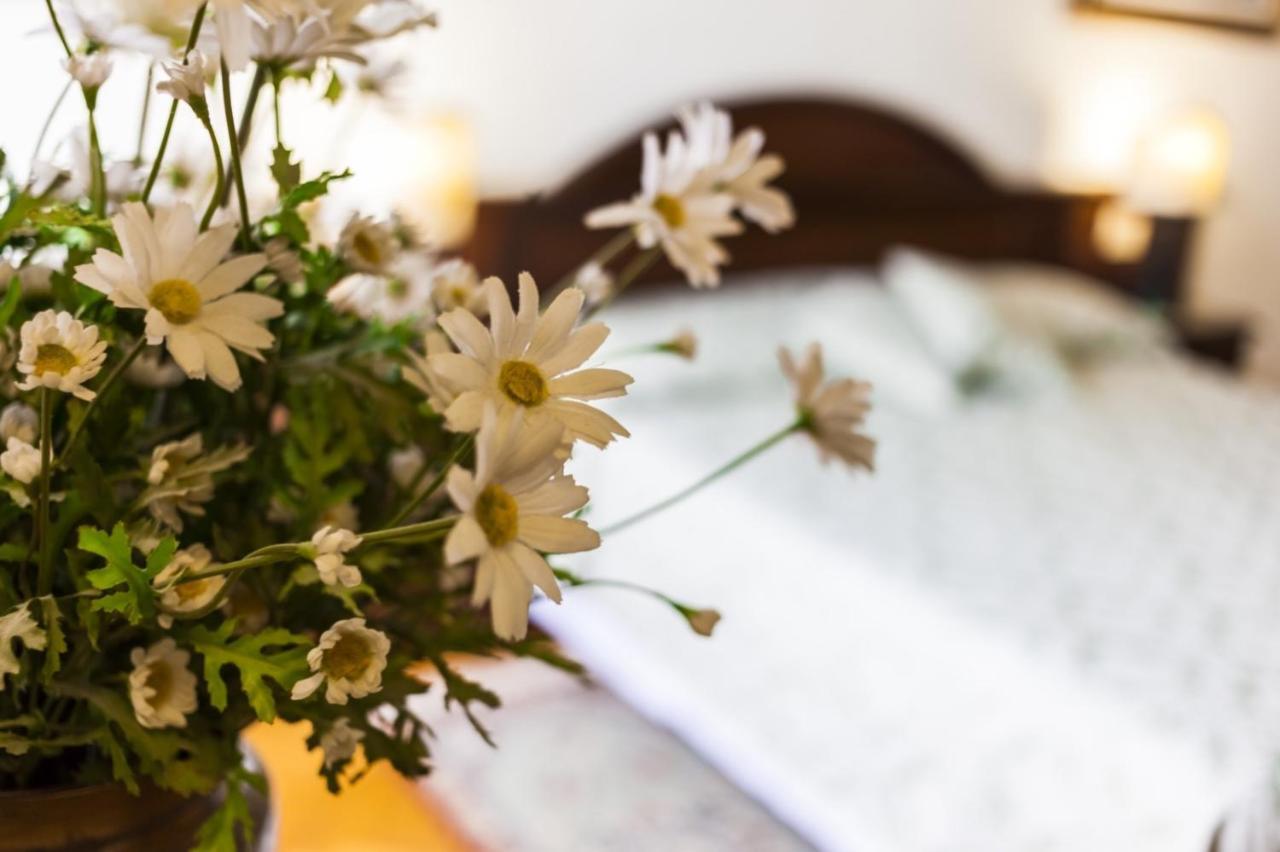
(862,178)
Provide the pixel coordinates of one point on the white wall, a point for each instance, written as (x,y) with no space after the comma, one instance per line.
(549,83)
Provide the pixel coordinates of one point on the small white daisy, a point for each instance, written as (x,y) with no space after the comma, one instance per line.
(328,549)
(677,210)
(186,78)
(526,361)
(457,285)
(177,276)
(595,282)
(161,687)
(21,460)
(340,742)
(89,70)
(349,659)
(833,412)
(513,510)
(19,421)
(400,293)
(193,595)
(18,624)
(366,245)
(60,352)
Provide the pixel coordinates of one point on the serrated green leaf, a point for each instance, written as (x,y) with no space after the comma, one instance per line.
(230,823)
(56,645)
(136,601)
(287,173)
(311,190)
(249,655)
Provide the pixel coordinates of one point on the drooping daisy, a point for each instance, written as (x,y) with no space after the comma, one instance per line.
(18,624)
(162,688)
(513,510)
(404,465)
(193,595)
(60,352)
(401,292)
(329,547)
(340,742)
(524,361)
(367,245)
(831,413)
(89,70)
(595,282)
(186,78)
(457,285)
(735,165)
(349,659)
(676,210)
(439,392)
(180,478)
(21,460)
(175,274)
(19,421)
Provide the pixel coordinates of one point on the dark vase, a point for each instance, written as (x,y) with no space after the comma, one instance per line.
(106,818)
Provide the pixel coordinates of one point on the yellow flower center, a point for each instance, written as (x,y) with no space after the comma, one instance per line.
(160,680)
(367,249)
(348,658)
(54,358)
(397,288)
(459,295)
(523,383)
(193,589)
(670,209)
(497,514)
(177,299)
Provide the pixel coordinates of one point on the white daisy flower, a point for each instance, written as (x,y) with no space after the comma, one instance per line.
(235,32)
(524,361)
(401,292)
(293,39)
(512,513)
(21,460)
(366,245)
(405,464)
(89,70)
(833,412)
(349,659)
(186,79)
(18,624)
(284,261)
(677,210)
(328,547)
(161,687)
(457,285)
(340,742)
(153,369)
(439,392)
(734,165)
(193,595)
(19,421)
(174,273)
(180,478)
(595,282)
(60,352)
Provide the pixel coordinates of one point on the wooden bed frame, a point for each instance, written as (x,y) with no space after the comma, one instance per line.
(863,179)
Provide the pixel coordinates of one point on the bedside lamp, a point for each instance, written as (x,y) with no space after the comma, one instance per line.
(1180,168)
(438,194)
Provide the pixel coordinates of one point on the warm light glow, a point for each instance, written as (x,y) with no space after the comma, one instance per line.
(1094,127)
(1181,164)
(438,196)
(1120,233)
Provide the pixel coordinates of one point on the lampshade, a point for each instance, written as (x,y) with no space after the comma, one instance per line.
(1181,165)
(438,190)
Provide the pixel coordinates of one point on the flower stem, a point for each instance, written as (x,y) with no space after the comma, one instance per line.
(44,579)
(730,466)
(116,372)
(602,256)
(48,122)
(630,273)
(98,179)
(236,169)
(57,27)
(245,126)
(217,159)
(419,497)
(173,107)
(146,112)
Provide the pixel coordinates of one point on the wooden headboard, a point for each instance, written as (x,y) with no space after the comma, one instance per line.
(862,179)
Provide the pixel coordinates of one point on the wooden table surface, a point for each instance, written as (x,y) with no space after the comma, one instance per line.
(382,813)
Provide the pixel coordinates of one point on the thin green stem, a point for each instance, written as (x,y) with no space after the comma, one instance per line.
(408,531)
(245,126)
(730,466)
(275,97)
(602,256)
(629,274)
(48,122)
(217,159)
(246,233)
(419,497)
(116,372)
(44,581)
(146,112)
(173,107)
(98,178)
(57,27)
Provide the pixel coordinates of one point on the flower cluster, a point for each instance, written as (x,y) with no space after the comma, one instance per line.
(249,474)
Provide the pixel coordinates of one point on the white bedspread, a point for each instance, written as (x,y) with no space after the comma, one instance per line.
(1044,624)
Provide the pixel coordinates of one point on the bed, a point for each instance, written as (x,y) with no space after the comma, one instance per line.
(1045,623)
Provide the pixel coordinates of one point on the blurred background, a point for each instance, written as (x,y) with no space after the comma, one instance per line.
(1047,621)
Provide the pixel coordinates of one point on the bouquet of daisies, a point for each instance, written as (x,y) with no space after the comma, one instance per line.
(250,476)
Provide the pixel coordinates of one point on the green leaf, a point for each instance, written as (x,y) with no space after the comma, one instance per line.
(14,552)
(311,190)
(287,173)
(12,298)
(219,832)
(57,639)
(465,693)
(256,664)
(120,768)
(136,602)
